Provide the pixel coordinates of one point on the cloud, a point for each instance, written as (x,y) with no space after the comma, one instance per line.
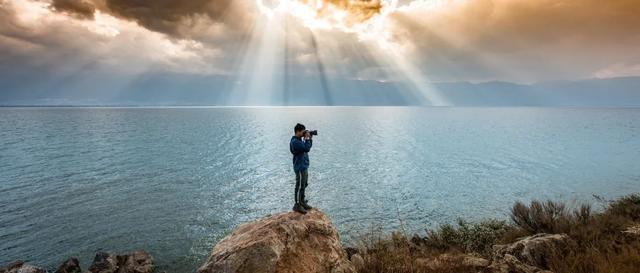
(357,11)
(176,18)
(448,40)
(36,42)
(79,8)
(517,39)
(618,70)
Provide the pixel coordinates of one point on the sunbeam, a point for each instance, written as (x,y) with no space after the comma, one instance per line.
(365,19)
(263,62)
(408,74)
(322,74)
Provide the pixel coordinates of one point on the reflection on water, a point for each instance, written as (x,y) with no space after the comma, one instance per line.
(175,180)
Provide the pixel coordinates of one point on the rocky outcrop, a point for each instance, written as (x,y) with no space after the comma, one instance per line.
(528,255)
(536,250)
(104,262)
(71,265)
(531,254)
(135,262)
(446,261)
(511,264)
(20,267)
(283,243)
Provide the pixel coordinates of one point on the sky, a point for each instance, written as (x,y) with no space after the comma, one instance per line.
(266,52)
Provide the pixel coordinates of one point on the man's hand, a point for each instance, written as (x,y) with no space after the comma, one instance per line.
(307,135)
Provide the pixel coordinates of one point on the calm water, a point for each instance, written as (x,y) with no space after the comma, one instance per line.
(74,181)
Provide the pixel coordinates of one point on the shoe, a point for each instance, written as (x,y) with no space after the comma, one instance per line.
(299,208)
(305,205)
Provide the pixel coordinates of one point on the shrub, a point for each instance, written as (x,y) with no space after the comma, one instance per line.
(549,217)
(470,237)
(538,217)
(398,254)
(601,246)
(627,207)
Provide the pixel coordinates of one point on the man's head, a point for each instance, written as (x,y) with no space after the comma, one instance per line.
(299,130)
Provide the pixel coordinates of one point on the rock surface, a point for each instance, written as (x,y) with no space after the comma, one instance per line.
(510,264)
(135,262)
(71,265)
(104,262)
(283,243)
(536,250)
(528,255)
(20,267)
(443,262)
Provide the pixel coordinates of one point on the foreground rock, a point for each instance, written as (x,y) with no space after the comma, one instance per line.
(21,267)
(282,243)
(135,262)
(531,254)
(71,265)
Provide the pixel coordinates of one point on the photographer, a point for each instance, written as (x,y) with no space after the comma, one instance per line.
(299,146)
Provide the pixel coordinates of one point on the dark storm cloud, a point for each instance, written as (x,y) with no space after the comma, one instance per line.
(194,19)
(177,18)
(77,8)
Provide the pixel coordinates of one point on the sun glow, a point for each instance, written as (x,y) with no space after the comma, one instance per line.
(345,15)
(368,19)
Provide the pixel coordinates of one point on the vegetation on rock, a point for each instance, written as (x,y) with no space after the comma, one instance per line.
(550,234)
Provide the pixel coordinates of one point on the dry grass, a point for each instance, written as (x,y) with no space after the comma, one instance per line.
(468,237)
(601,246)
(398,254)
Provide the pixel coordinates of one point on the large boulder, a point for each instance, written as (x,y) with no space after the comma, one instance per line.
(283,243)
(134,262)
(20,267)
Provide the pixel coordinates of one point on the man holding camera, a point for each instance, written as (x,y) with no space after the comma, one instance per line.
(299,146)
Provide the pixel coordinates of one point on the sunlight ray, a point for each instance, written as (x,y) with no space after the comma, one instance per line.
(322,74)
(258,77)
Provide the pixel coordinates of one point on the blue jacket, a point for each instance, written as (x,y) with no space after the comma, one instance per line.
(299,149)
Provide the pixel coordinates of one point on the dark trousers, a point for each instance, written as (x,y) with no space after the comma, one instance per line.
(301,185)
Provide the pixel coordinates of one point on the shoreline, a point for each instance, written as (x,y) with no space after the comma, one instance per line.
(460,247)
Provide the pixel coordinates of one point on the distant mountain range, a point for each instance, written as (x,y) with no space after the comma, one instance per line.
(186,89)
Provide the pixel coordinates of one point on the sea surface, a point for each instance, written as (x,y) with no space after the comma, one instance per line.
(174,181)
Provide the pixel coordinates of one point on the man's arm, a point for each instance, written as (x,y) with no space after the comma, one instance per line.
(308,140)
(309,143)
(300,146)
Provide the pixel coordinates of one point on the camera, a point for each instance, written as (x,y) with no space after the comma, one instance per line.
(313,132)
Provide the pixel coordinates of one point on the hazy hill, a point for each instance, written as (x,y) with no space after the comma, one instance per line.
(187,89)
